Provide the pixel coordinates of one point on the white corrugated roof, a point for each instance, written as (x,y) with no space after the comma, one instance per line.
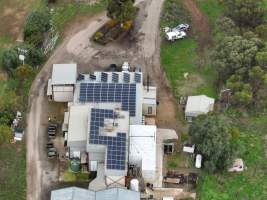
(75,193)
(64,74)
(78,123)
(143,146)
(197,105)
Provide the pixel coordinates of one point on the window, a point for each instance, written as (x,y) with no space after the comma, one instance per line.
(149,110)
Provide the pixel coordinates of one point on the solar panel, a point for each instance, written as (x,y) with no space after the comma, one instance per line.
(126,77)
(92,77)
(104,77)
(116,146)
(137,77)
(110,92)
(115,77)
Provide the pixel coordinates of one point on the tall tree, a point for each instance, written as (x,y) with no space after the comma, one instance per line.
(235,54)
(241,92)
(121,10)
(212,136)
(245,13)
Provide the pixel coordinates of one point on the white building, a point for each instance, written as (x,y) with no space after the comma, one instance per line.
(142,149)
(198,105)
(61,85)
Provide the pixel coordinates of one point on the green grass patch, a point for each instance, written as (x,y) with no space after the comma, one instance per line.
(250,184)
(180,57)
(69,176)
(13,171)
(64,13)
(212,8)
(178,160)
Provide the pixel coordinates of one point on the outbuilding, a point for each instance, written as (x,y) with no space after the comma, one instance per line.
(61,85)
(198,105)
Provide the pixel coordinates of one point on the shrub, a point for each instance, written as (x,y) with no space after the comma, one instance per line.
(37,23)
(10,59)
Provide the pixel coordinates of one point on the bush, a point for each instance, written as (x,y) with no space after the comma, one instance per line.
(37,23)
(33,56)
(10,59)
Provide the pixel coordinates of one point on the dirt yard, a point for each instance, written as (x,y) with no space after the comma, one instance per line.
(12,15)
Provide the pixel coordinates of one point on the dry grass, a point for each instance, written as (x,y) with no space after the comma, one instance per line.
(12,15)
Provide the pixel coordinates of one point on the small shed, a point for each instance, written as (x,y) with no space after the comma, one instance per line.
(62,82)
(198,105)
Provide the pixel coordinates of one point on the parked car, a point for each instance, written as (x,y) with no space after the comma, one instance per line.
(50,145)
(175,35)
(52,152)
(181,27)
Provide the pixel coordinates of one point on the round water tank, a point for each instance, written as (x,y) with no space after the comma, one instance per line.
(134,185)
(75,165)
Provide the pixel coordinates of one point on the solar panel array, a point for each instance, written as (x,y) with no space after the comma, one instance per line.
(92,76)
(137,77)
(123,93)
(116,146)
(126,77)
(104,77)
(115,77)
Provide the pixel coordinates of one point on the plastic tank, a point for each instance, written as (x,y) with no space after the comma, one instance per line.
(134,185)
(75,165)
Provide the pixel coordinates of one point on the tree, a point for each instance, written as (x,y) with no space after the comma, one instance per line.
(121,10)
(10,59)
(211,135)
(242,94)
(235,54)
(226,26)
(245,13)
(261,30)
(37,23)
(24,72)
(5,134)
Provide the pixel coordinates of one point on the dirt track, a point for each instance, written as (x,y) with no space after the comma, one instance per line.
(200,23)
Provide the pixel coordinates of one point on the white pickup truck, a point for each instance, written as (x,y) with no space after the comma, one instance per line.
(175,35)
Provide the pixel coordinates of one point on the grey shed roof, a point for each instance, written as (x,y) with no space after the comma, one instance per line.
(117,194)
(64,74)
(72,193)
(75,193)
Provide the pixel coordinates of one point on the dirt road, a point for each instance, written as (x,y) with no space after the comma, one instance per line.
(200,23)
(77,48)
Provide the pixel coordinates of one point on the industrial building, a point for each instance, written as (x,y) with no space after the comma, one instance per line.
(106,121)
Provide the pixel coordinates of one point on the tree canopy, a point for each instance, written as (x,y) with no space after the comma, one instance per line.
(245,13)
(235,54)
(37,23)
(121,10)
(212,136)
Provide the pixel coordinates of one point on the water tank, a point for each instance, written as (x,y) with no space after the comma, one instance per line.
(134,185)
(75,165)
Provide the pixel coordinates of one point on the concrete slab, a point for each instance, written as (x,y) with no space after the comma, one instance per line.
(99,182)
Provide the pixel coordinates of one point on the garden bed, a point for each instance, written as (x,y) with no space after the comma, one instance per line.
(111,31)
